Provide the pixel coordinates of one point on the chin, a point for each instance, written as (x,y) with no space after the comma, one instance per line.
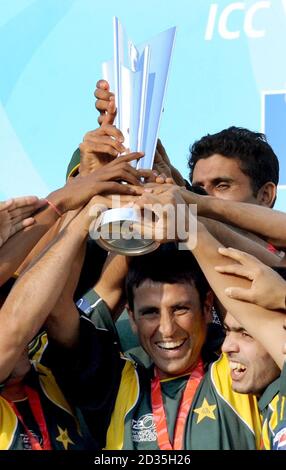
(240,388)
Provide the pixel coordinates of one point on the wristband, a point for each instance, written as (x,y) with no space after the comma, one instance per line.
(54,207)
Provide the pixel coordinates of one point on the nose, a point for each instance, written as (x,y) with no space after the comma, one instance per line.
(209,189)
(230,345)
(167,325)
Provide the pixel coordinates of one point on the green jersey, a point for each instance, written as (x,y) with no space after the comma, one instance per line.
(62,425)
(219,418)
(273,408)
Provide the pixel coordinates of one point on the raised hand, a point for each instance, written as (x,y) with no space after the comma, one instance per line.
(268,289)
(100,147)
(15,215)
(105,103)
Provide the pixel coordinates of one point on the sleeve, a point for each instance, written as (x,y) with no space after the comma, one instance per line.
(73,166)
(94,308)
(90,375)
(278,420)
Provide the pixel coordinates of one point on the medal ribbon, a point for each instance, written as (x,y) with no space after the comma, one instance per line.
(184,408)
(37,411)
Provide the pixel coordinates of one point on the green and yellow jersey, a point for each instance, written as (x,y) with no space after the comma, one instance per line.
(219,418)
(62,424)
(273,408)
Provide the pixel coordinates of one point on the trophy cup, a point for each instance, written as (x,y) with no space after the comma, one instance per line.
(138,76)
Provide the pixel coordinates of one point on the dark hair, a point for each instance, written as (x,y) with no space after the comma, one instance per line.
(256,157)
(167,265)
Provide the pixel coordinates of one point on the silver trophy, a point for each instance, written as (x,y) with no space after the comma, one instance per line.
(138,76)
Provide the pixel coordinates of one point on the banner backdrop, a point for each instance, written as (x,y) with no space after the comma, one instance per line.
(228,68)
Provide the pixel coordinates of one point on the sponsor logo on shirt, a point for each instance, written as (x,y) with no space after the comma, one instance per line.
(279,441)
(143,429)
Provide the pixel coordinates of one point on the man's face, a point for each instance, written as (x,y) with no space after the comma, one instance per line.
(222,177)
(252,368)
(170,324)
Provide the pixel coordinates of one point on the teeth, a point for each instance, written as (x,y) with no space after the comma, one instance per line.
(237,366)
(170,344)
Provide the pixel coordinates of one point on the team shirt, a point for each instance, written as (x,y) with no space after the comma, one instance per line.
(219,418)
(273,408)
(61,422)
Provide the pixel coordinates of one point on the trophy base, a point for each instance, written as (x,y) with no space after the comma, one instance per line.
(117,233)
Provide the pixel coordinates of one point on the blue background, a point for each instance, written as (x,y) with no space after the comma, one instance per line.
(51,53)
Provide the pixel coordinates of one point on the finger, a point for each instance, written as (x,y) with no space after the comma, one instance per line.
(28,221)
(129,158)
(102,105)
(6,204)
(241,256)
(170,181)
(21,213)
(118,166)
(237,270)
(100,119)
(148,174)
(112,187)
(102,145)
(138,190)
(106,129)
(21,225)
(239,293)
(103,94)
(161,179)
(23,201)
(157,158)
(110,115)
(162,151)
(128,176)
(27,205)
(102,84)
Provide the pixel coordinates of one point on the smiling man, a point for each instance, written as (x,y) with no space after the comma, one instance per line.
(174,404)
(252,367)
(167,331)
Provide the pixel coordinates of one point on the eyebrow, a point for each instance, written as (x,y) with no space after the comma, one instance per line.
(236,329)
(215,181)
(181,305)
(152,308)
(148,308)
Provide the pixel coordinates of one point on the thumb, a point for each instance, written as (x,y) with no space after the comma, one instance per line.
(239,293)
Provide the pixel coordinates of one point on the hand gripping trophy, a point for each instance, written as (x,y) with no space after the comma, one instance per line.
(138,76)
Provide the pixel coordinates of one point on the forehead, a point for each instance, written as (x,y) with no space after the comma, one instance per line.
(231,322)
(217,166)
(157,293)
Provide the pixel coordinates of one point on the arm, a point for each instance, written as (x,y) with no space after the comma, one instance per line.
(36,292)
(62,324)
(110,286)
(264,325)
(75,194)
(265,222)
(229,236)
(47,238)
